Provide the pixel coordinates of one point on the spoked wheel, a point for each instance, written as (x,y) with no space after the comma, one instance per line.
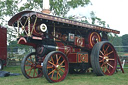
(55,66)
(30,66)
(93,38)
(1,65)
(103,59)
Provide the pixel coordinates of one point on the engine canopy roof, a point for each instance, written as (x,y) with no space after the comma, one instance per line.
(43,16)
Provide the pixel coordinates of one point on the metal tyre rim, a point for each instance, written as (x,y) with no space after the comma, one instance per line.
(55,66)
(30,67)
(94,38)
(104,59)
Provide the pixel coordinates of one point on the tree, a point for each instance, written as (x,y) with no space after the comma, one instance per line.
(97,20)
(125,40)
(116,41)
(59,7)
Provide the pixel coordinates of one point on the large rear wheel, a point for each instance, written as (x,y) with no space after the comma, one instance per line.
(103,59)
(31,67)
(55,66)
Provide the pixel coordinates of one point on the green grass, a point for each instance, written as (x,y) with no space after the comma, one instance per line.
(72,79)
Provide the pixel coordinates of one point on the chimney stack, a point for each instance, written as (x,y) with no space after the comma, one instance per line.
(46,7)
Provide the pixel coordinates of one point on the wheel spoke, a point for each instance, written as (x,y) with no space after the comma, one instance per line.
(30,71)
(56,59)
(111,59)
(62,62)
(52,71)
(103,69)
(38,66)
(103,49)
(109,53)
(59,58)
(29,61)
(62,66)
(52,59)
(59,74)
(49,67)
(101,61)
(107,69)
(51,63)
(102,53)
(102,65)
(100,56)
(52,74)
(34,73)
(110,65)
(31,58)
(106,49)
(62,70)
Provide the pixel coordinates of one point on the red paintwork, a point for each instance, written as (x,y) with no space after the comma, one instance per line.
(3,43)
(91,39)
(72,53)
(23,41)
(72,58)
(78,57)
(82,57)
(79,41)
(60,46)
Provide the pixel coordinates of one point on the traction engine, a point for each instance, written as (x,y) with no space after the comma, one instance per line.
(63,46)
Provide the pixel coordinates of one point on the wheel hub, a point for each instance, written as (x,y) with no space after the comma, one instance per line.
(106,59)
(34,66)
(58,67)
(96,39)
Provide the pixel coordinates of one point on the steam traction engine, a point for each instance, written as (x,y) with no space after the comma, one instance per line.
(63,46)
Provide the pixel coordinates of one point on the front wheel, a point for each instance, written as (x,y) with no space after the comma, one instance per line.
(55,66)
(103,59)
(31,67)
(1,65)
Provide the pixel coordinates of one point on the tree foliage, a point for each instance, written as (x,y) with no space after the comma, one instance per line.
(125,40)
(58,7)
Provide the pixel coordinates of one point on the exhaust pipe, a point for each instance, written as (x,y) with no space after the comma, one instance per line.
(46,7)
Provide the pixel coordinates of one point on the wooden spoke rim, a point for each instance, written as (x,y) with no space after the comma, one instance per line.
(94,38)
(107,59)
(33,69)
(57,67)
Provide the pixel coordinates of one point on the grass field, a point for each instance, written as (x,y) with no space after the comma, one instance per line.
(72,79)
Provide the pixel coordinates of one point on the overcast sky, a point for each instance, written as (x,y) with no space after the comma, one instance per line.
(114,12)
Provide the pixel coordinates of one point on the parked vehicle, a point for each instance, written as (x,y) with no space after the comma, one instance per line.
(3,47)
(63,46)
